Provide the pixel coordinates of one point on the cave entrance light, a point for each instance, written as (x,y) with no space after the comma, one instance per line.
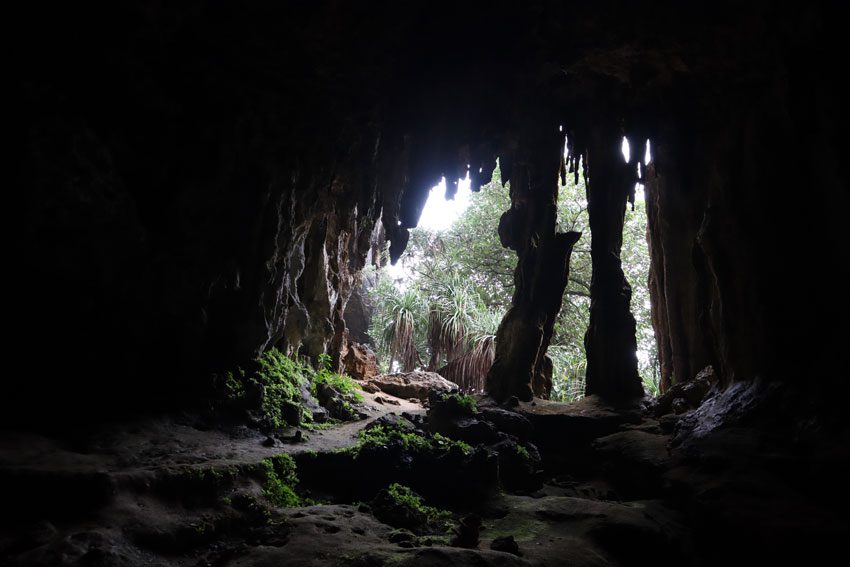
(636,262)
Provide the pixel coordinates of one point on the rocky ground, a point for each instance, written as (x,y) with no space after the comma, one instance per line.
(537,483)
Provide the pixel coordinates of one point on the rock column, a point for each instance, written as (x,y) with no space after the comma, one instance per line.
(610,339)
(521,367)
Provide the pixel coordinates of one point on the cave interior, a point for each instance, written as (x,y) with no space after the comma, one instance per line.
(198,183)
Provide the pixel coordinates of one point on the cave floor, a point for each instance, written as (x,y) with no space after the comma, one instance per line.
(168,442)
(612,493)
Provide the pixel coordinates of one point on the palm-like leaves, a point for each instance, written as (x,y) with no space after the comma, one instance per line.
(400,328)
(453,306)
(570,367)
(469,370)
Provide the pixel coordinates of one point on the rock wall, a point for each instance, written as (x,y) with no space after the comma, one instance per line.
(744,201)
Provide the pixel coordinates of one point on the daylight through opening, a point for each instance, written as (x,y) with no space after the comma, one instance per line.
(439,307)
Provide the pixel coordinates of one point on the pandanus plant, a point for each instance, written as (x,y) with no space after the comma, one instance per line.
(399,329)
(469,370)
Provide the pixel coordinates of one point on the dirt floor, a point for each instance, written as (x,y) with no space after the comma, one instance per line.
(177,492)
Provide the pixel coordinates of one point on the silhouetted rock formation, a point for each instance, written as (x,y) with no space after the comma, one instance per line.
(198,183)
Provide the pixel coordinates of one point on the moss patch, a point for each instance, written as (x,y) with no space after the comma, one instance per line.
(280,481)
(522,528)
(342,383)
(401,507)
(281,378)
(384,435)
(278,391)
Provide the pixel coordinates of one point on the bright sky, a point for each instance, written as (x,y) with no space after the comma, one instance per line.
(440,214)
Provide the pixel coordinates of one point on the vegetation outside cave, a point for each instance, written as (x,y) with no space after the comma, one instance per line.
(443,311)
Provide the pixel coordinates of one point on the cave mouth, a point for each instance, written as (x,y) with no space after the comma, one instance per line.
(452,286)
(199,188)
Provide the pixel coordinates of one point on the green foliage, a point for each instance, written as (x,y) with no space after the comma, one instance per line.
(281,378)
(382,435)
(234,385)
(325,425)
(459,404)
(523,453)
(405,497)
(397,321)
(280,481)
(343,384)
(466,402)
(462,283)
(569,365)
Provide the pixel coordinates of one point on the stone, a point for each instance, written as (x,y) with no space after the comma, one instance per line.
(680,406)
(634,461)
(684,396)
(360,362)
(291,413)
(506,544)
(416,384)
(401,535)
(668,422)
(509,422)
(469,430)
(467,532)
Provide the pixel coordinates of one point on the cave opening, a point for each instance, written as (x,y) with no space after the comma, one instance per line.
(439,250)
(205,197)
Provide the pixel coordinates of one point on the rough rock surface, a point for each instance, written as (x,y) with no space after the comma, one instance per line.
(416,384)
(634,460)
(360,362)
(172,494)
(691,392)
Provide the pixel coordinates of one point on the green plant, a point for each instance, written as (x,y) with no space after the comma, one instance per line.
(234,387)
(466,402)
(410,440)
(457,404)
(280,480)
(281,379)
(523,453)
(341,383)
(462,283)
(405,497)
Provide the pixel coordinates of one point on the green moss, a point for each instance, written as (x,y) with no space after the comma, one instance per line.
(339,382)
(523,453)
(410,440)
(458,404)
(466,402)
(521,527)
(281,379)
(405,497)
(314,426)
(234,385)
(280,481)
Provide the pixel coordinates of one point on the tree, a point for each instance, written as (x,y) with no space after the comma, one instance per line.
(463,280)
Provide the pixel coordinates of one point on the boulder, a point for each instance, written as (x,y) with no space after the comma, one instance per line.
(360,362)
(688,395)
(634,461)
(415,384)
(508,421)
